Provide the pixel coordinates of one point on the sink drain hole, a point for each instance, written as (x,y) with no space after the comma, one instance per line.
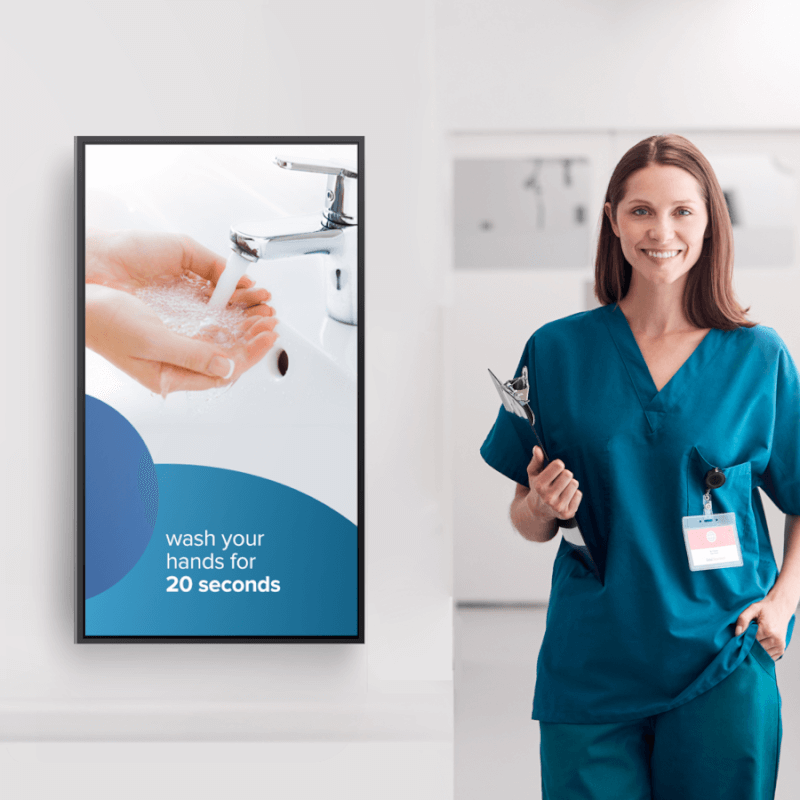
(283,362)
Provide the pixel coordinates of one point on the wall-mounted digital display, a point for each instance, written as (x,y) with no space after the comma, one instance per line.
(220,389)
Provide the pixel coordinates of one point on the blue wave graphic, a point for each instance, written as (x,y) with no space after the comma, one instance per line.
(294,572)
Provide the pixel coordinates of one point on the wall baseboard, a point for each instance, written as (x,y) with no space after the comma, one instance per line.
(404,716)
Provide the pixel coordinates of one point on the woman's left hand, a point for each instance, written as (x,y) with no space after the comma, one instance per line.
(773,618)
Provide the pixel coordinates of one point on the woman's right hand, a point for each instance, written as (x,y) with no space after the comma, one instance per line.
(554,492)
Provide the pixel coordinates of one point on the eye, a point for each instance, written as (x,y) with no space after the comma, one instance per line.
(637,210)
(684,212)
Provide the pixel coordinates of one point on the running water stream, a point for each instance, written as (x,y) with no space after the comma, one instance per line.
(226,285)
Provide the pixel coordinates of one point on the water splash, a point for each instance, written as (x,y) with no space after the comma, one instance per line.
(182,305)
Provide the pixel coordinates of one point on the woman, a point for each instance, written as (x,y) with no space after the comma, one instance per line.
(656,674)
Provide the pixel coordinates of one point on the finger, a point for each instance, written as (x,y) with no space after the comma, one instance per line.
(195,355)
(552,490)
(562,483)
(772,645)
(178,379)
(551,472)
(745,618)
(565,498)
(536,463)
(245,302)
(201,260)
(252,326)
(257,347)
(249,297)
(574,503)
(261,311)
(247,354)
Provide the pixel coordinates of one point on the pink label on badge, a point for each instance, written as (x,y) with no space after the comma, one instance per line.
(701,538)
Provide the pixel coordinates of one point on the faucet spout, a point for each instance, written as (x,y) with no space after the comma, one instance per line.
(284,238)
(298,236)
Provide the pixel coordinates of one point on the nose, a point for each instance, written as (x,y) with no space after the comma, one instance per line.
(662,230)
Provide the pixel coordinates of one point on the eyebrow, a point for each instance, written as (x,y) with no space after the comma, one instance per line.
(676,203)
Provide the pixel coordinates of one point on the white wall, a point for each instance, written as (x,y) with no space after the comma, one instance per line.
(617,64)
(177,68)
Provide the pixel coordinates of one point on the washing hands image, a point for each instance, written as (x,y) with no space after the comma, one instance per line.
(148,312)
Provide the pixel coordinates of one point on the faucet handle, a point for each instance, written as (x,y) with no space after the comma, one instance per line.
(341,197)
(346,168)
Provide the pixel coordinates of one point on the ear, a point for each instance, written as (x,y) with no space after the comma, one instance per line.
(607,209)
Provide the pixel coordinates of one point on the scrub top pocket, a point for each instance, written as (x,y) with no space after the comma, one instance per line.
(735,495)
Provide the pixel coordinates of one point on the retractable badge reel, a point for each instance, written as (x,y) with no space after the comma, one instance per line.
(712,541)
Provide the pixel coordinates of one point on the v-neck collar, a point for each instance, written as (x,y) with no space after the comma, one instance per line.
(656,404)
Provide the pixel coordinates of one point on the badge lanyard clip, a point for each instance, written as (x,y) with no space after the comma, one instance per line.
(714,479)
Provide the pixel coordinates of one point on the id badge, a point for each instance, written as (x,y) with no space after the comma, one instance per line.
(712,542)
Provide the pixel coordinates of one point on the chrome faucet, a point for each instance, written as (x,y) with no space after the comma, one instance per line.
(334,235)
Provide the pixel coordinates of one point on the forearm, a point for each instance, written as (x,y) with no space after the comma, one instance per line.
(530,525)
(95,252)
(787,587)
(96,316)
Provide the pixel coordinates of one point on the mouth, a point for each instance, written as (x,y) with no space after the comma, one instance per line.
(661,254)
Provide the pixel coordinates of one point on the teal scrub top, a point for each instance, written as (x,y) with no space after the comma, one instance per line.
(653,634)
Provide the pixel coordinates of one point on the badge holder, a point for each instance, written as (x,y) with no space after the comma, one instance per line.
(514,396)
(712,541)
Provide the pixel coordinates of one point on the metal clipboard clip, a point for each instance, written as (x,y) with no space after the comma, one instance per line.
(514,396)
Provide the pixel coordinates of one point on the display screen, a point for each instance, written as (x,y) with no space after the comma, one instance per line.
(220,389)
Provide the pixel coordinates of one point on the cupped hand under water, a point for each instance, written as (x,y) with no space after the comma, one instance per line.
(124,329)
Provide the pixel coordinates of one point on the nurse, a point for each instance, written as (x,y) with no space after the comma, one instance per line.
(663,411)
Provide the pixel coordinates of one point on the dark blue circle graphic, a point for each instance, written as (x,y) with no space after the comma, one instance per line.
(121,497)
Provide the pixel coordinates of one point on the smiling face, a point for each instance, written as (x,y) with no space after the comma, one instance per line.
(661,223)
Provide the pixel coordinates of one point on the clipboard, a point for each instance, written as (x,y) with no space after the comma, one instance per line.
(514,395)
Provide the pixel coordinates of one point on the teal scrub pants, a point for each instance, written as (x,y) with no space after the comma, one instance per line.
(723,744)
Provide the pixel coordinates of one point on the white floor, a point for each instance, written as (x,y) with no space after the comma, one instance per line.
(497,743)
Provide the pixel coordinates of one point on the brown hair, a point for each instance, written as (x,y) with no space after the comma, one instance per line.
(708,298)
